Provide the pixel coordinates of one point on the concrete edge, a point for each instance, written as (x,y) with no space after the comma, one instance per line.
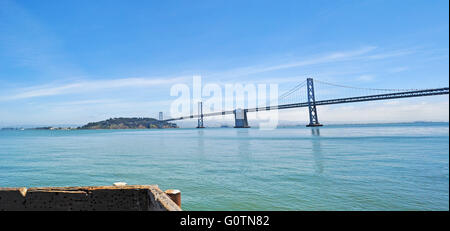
(156,196)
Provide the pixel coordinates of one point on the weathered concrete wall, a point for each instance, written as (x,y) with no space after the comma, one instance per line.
(110,198)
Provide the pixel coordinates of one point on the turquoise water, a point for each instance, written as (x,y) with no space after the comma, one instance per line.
(346,167)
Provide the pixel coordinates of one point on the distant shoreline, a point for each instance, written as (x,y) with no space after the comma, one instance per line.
(222,126)
(112,123)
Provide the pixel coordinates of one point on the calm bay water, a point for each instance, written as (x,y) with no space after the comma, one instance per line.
(345,167)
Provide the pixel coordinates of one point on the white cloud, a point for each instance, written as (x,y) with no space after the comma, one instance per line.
(327,58)
(84,86)
(392,54)
(365,78)
(397,69)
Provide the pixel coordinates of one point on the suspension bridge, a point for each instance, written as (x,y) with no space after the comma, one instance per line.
(295,98)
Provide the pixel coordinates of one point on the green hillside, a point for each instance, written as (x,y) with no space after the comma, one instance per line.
(129,123)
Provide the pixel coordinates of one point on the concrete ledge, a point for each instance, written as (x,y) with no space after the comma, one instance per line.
(103,198)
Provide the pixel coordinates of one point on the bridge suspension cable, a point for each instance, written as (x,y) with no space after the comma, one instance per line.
(293,95)
(294,89)
(365,88)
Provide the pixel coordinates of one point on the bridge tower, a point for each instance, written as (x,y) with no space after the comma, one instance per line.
(160,120)
(240,118)
(313,119)
(200,113)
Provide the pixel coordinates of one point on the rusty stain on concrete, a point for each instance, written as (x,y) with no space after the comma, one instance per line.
(90,198)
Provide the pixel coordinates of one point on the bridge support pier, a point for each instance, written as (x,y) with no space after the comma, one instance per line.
(240,118)
(200,118)
(313,119)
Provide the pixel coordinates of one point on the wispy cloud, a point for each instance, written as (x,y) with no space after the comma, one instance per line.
(85,86)
(326,58)
(397,69)
(392,54)
(364,53)
(333,57)
(365,78)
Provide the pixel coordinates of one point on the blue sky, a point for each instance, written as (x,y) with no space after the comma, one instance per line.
(72,62)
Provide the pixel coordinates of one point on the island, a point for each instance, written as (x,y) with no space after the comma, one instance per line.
(129,123)
(113,123)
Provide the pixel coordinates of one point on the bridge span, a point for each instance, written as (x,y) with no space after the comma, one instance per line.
(241,120)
